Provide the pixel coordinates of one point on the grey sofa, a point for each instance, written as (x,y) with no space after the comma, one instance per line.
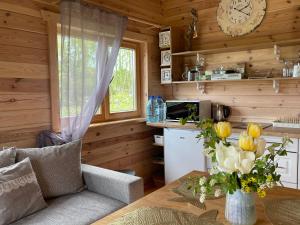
(106,191)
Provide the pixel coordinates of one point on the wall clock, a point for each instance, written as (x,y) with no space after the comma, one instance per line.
(240,17)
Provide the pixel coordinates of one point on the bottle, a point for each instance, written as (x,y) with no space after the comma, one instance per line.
(165,112)
(150,113)
(159,109)
(285,70)
(296,71)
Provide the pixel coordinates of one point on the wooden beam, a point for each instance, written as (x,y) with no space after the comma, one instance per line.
(52,20)
(20,9)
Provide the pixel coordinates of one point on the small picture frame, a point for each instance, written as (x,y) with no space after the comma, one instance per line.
(166,58)
(165,39)
(166,76)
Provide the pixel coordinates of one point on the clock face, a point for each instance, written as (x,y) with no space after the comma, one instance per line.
(239,17)
(239,11)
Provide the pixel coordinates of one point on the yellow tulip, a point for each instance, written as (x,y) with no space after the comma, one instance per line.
(223,129)
(246,142)
(254,130)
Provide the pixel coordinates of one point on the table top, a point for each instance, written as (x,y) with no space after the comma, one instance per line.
(161,198)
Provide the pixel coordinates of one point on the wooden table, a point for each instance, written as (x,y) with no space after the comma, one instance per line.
(160,198)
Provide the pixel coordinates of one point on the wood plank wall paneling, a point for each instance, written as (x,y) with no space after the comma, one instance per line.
(255,100)
(121,146)
(24,79)
(25,92)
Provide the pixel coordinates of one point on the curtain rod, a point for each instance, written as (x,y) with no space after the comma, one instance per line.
(92,2)
(129,17)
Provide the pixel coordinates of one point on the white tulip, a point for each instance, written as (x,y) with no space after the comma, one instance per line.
(227,157)
(246,162)
(260,147)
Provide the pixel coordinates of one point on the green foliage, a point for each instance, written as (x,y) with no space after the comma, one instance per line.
(192,114)
(208,133)
(122,89)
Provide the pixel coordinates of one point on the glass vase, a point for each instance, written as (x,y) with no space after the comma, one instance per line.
(240,208)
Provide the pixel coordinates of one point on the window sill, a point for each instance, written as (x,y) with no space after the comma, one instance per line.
(106,123)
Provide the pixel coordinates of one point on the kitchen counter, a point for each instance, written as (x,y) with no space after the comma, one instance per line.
(269,131)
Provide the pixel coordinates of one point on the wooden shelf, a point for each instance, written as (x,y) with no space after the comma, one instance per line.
(158,162)
(238,48)
(201,85)
(242,80)
(157,144)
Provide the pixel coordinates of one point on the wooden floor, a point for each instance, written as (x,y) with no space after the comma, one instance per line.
(149,188)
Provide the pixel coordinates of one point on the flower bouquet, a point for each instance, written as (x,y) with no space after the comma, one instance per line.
(238,169)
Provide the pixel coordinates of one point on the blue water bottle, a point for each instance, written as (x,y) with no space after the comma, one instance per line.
(159,109)
(150,111)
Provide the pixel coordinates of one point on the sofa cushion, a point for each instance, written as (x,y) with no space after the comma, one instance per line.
(76,209)
(58,168)
(20,194)
(7,157)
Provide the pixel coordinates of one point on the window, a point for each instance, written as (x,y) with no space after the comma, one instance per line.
(138,44)
(123,99)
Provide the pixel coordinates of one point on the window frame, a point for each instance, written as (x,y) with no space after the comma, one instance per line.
(106,115)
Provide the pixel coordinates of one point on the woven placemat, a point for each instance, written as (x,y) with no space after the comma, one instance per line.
(187,196)
(166,216)
(283,211)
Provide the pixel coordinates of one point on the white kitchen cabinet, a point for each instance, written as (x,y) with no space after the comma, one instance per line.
(288,166)
(183,153)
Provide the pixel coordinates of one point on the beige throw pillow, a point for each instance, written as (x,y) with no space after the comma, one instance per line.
(58,168)
(20,194)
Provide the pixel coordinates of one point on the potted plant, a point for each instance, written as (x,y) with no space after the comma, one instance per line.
(239,170)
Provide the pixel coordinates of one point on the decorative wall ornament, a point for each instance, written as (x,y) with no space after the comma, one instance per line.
(240,17)
(166,58)
(165,39)
(166,77)
(192,30)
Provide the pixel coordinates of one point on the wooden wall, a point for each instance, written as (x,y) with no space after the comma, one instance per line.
(121,146)
(280,23)
(250,101)
(24,79)
(25,95)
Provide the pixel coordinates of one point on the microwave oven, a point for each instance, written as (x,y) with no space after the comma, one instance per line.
(176,109)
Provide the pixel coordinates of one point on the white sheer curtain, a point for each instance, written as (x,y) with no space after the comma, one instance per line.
(90,42)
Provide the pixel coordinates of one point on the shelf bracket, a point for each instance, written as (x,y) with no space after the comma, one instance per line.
(201,87)
(276,86)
